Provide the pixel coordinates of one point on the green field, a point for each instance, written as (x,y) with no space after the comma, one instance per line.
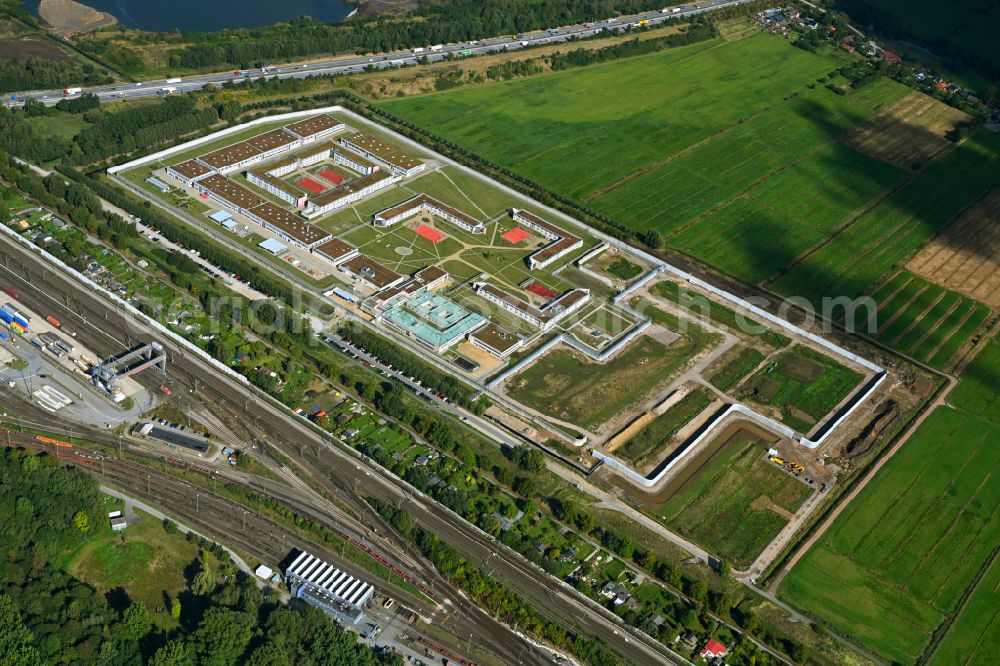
(925,320)
(976,632)
(896,563)
(737,368)
(804,384)
(658,432)
(909,217)
(566,386)
(730,504)
(623,269)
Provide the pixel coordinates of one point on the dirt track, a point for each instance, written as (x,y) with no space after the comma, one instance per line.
(70,17)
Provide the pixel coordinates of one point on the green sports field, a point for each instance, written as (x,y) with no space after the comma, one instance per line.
(896,563)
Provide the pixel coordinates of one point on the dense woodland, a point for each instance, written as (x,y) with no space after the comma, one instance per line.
(47,616)
(44,74)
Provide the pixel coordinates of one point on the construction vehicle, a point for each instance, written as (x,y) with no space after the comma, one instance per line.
(777,461)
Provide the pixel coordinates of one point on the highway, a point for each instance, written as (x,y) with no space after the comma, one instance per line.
(354,64)
(344,470)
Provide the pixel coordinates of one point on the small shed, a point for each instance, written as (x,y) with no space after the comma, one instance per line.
(272,246)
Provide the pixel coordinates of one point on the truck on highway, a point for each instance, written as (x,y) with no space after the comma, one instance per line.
(167,90)
(71,91)
(417,50)
(437,47)
(465,52)
(175,80)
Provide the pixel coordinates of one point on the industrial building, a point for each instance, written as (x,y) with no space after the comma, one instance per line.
(562,243)
(544,317)
(328,588)
(423,203)
(382,153)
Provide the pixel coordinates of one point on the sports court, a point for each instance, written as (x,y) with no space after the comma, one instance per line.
(308,183)
(537,288)
(516,235)
(433,235)
(332,176)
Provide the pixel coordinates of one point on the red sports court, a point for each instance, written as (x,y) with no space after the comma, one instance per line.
(516,235)
(332,176)
(309,184)
(537,288)
(433,235)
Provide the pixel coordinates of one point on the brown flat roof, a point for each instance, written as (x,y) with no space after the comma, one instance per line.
(384,151)
(350,187)
(555,247)
(314,125)
(496,337)
(353,156)
(245,150)
(321,147)
(427,200)
(191,169)
(290,223)
(235,194)
(429,274)
(547,311)
(334,248)
(372,271)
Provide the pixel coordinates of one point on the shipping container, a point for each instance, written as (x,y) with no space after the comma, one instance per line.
(10,292)
(22,321)
(7,317)
(52,320)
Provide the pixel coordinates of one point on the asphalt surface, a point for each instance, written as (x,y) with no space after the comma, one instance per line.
(353,64)
(345,472)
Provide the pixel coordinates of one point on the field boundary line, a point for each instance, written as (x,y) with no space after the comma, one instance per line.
(916,319)
(958,327)
(941,322)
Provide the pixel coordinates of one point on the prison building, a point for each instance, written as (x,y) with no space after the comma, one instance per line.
(428,277)
(544,317)
(189,172)
(496,340)
(372,273)
(336,251)
(288,226)
(348,193)
(262,178)
(282,167)
(425,203)
(323,585)
(562,243)
(382,153)
(352,160)
(430,319)
(315,127)
(246,153)
(231,195)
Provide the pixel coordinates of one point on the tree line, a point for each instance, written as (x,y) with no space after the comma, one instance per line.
(45,73)
(48,616)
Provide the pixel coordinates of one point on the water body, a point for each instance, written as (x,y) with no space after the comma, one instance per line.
(211,15)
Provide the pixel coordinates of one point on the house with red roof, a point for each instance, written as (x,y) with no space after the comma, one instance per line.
(713,649)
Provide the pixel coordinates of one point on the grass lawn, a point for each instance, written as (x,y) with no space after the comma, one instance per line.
(565,385)
(900,557)
(144,560)
(804,384)
(738,501)
(737,368)
(623,269)
(976,632)
(659,431)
